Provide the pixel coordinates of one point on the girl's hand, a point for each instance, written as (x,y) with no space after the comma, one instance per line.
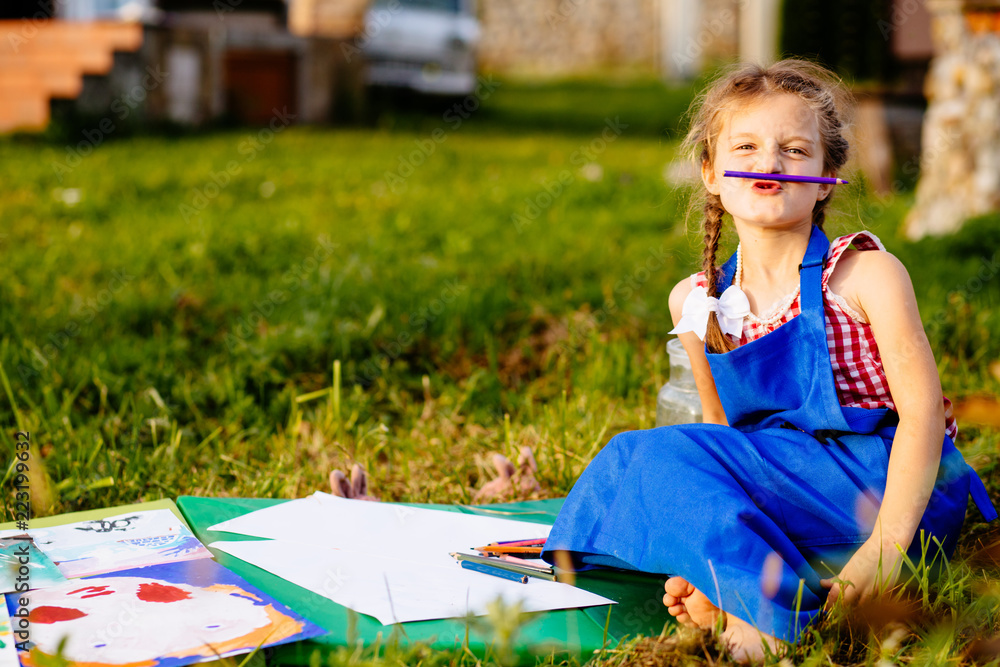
(864,575)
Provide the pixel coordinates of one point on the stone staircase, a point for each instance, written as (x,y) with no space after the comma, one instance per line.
(41,60)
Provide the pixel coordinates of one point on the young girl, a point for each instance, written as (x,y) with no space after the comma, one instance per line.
(828,447)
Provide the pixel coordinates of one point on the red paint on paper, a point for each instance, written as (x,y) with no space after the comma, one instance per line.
(47,614)
(160,593)
(94,591)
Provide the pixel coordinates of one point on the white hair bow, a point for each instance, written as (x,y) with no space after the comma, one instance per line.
(729,309)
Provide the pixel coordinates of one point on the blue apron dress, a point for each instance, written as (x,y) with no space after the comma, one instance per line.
(795,474)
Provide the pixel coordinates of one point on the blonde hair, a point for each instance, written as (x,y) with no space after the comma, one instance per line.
(737,87)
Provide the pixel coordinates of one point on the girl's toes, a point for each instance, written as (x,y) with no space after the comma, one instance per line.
(681,615)
(679,587)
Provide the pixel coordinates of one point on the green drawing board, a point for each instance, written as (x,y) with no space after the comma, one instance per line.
(574,632)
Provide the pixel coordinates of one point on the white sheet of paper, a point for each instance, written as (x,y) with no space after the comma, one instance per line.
(391,561)
(328,521)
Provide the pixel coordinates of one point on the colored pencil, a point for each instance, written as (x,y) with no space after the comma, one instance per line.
(538,541)
(495,571)
(520,561)
(784,177)
(512,563)
(491,549)
(530,570)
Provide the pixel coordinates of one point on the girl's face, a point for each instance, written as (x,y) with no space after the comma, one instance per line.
(777,135)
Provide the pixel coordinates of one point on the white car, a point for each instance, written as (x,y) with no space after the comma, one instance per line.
(425,45)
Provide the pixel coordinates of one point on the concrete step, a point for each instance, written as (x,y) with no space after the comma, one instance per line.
(16,36)
(40,60)
(86,60)
(23,109)
(81,40)
(57,82)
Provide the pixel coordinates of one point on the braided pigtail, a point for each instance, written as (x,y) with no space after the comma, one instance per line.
(715,340)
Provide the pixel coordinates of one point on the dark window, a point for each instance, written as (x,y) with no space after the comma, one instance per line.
(25,9)
(273,6)
(437,5)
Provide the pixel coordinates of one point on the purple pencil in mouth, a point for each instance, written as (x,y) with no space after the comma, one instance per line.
(784,177)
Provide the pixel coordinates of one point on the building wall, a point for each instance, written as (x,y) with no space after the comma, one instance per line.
(960,148)
(566,37)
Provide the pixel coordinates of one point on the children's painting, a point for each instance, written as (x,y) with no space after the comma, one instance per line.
(118,542)
(8,654)
(157,616)
(24,567)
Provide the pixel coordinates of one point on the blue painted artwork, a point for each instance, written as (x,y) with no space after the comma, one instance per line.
(118,542)
(23,566)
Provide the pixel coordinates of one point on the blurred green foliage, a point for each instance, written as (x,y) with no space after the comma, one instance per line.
(168,297)
(172,307)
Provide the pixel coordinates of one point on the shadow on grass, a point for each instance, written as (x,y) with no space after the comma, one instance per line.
(569,108)
(649,108)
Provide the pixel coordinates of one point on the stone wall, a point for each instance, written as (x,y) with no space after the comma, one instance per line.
(566,37)
(960,161)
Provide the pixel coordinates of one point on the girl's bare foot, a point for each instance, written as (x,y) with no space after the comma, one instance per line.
(692,608)
(688,605)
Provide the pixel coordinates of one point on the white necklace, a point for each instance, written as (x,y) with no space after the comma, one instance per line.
(739,266)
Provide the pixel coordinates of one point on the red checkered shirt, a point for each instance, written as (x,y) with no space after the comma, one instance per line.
(854,355)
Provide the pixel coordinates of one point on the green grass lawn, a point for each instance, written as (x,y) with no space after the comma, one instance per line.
(173,307)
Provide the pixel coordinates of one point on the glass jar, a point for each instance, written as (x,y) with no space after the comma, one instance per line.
(678,401)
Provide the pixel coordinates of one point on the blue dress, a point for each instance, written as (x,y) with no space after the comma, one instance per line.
(795,474)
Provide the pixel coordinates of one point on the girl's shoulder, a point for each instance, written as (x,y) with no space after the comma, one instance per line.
(846,248)
(857,265)
(679,294)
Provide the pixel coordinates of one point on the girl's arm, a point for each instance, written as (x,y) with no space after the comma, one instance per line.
(878,283)
(711,406)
